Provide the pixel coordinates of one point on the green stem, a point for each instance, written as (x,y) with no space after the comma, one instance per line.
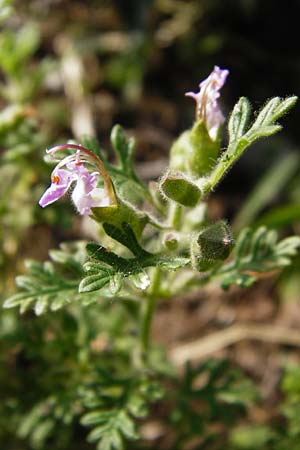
(175,215)
(148,312)
(82,338)
(229,157)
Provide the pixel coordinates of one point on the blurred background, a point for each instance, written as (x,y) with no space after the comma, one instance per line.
(71,68)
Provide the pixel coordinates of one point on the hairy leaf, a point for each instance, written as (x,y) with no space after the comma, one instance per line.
(257,252)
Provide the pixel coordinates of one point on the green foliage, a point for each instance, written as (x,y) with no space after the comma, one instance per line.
(241,136)
(6,9)
(223,394)
(285,434)
(22,80)
(117,403)
(264,125)
(40,423)
(258,252)
(100,275)
(15,50)
(124,149)
(251,437)
(50,285)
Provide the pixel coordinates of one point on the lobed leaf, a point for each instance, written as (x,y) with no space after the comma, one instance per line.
(257,252)
(240,139)
(238,120)
(48,286)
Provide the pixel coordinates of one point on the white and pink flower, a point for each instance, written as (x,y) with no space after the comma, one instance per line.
(72,171)
(208,108)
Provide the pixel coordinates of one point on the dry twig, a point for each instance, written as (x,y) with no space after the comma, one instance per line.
(201,348)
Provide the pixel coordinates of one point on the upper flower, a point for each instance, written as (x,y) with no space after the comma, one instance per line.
(207,101)
(72,170)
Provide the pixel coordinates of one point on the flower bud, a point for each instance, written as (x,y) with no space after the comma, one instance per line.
(196,150)
(203,150)
(170,241)
(215,241)
(176,186)
(214,244)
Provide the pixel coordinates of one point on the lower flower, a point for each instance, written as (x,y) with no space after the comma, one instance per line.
(72,171)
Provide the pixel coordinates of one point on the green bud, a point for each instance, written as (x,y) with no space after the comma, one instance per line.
(214,244)
(194,152)
(176,186)
(170,241)
(215,241)
(204,151)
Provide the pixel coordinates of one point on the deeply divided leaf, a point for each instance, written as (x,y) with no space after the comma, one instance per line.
(258,252)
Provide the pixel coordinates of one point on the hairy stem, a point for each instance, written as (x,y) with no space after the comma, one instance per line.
(147,317)
(175,215)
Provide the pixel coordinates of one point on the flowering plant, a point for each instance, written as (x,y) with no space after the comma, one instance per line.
(154,242)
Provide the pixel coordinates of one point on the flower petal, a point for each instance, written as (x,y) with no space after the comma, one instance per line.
(85,195)
(206,99)
(61,181)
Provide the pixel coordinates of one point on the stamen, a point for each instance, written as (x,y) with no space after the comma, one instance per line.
(55,179)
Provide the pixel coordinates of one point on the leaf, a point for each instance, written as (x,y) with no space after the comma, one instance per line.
(92,144)
(48,286)
(284,107)
(102,254)
(265,117)
(120,399)
(123,147)
(94,417)
(239,119)
(281,216)
(105,267)
(255,437)
(257,252)
(266,131)
(111,426)
(240,139)
(93,283)
(126,237)
(127,426)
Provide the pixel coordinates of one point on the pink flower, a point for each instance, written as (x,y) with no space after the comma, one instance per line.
(207,101)
(86,194)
